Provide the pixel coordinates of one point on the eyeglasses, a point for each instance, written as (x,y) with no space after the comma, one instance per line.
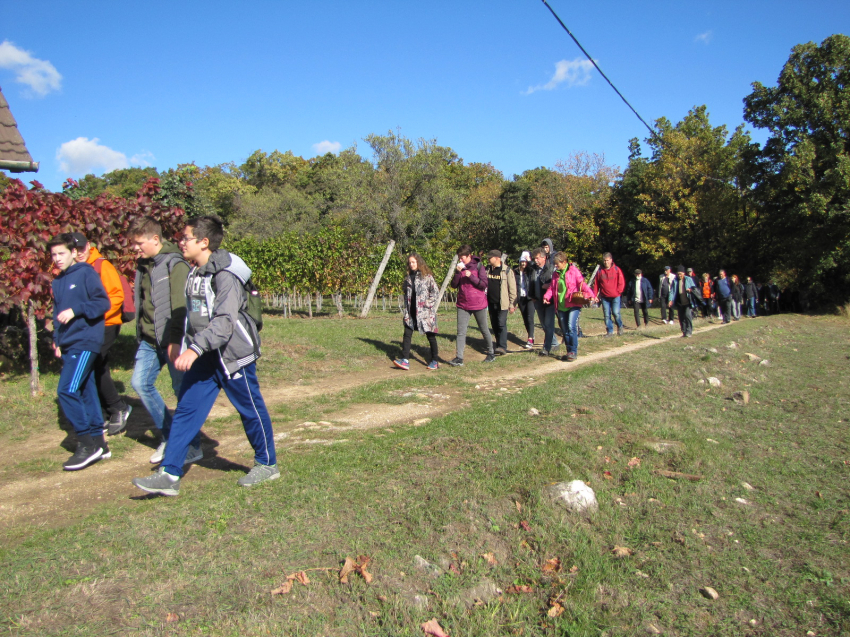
(187,239)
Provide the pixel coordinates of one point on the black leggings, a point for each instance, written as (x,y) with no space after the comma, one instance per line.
(408,336)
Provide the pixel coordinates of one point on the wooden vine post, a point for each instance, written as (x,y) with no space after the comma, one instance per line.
(446,282)
(35,386)
(377,280)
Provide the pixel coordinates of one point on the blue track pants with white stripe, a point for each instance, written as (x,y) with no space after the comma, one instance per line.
(77,393)
(198,392)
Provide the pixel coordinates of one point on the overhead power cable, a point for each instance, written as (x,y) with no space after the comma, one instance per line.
(652,132)
(593,62)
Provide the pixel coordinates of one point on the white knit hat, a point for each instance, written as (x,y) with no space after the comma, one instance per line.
(525,256)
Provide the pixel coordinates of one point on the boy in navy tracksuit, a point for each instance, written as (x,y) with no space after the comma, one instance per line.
(79,303)
(222,349)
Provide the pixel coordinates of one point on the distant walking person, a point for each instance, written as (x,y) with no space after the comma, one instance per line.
(723,294)
(567,281)
(737,297)
(501,298)
(118,411)
(751,294)
(470,281)
(542,279)
(79,303)
(707,296)
(664,283)
(420,309)
(223,346)
(524,298)
(639,293)
(682,296)
(609,286)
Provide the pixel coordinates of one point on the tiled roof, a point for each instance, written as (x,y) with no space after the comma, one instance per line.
(12,147)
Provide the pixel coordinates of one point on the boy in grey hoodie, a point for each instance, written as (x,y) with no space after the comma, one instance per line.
(223,346)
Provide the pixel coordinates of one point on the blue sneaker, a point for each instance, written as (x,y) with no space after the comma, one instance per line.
(433,365)
(402,363)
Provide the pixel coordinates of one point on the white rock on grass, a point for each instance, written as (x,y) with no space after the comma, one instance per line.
(714,382)
(765,363)
(575,496)
(732,345)
(422,564)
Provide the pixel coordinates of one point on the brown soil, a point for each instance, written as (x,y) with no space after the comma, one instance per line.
(51,499)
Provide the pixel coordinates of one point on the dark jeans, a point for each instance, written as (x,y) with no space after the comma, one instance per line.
(110,400)
(725,305)
(546,314)
(499,326)
(686,319)
(666,312)
(408,336)
(526,309)
(641,307)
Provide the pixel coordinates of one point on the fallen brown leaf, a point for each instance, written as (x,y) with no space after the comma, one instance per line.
(622,551)
(432,627)
(519,588)
(525,526)
(675,475)
(607,459)
(454,569)
(518,506)
(301,578)
(607,475)
(556,610)
(552,565)
(284,588)
(172,617)
(346,570)
(634,462)
(574,569)
(489,558)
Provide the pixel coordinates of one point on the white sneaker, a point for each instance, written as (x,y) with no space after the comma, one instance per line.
(194,454)
(158,455)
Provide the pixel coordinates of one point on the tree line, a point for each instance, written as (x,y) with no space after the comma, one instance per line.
(691,193)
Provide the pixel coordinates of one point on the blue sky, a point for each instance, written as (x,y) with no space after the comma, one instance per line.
(162,83)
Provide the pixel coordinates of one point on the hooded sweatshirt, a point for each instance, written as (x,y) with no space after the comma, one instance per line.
(609,282)
(472,289)
(111,283)
(79,288)
(216,319)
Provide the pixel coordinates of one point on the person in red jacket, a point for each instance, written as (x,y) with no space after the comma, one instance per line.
(608,286)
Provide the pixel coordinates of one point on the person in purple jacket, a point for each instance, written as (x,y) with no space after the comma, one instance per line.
(470,281)
(79,303)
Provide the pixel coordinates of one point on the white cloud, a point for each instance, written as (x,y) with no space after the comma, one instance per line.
(573,72)
(83,155)
(705,38)
(326,147)
(142,159)
(39,75)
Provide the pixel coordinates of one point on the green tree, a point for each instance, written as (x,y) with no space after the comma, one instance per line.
(687,201)
(410,194)
(123,183)
(803,170)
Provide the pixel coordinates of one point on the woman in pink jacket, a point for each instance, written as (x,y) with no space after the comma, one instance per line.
(566,281)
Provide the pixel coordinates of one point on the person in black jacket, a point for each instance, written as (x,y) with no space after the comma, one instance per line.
(639,293)
(751,293)
(79,303)
(542,278)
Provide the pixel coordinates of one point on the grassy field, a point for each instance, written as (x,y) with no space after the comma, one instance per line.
(765,522)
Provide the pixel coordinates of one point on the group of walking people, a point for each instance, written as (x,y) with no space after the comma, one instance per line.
(546,287)
(192,315)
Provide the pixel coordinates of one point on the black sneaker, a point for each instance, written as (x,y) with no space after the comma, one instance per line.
(101,442)
(543,352)
(501,351)
(118,422)
(87,452)
(490,358)
(456,362)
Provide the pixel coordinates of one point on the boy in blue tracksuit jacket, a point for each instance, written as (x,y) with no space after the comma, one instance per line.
(79,303)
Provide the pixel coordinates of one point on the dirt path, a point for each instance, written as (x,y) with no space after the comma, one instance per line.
(53,498)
